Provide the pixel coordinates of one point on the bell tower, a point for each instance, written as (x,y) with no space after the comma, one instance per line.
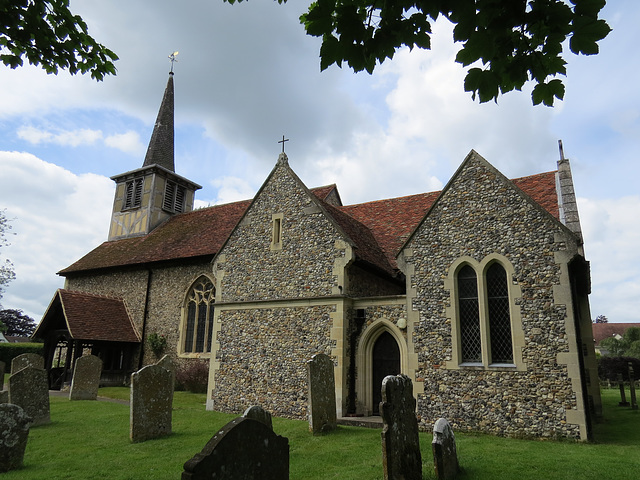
(149,195)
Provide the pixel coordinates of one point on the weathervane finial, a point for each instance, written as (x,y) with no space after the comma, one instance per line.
(173,59)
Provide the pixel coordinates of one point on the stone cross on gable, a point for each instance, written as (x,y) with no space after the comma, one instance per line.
(282,142)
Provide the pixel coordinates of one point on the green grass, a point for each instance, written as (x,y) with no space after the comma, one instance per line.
(91,440)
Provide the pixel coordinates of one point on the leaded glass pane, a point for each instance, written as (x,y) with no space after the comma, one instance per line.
(499,317)
(191,323)
(202,323)
(469,315)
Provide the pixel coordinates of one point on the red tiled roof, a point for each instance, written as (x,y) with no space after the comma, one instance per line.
(90,317)
(606,330)
(378,229)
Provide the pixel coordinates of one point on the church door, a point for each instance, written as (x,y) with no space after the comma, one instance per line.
(385,361)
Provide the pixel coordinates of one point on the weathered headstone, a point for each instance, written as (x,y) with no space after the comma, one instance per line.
(14,431)
(632,387)
(29,389)
(26,360)
(260,414)
(166,362)
(4,396)
(445,458)
(151,403)
(401,458)
(322,394)
(86,378)
(243,449)
(623,398)
(2,370)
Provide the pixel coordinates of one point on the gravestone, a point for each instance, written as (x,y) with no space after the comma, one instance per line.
(166,362)
(243,449)
(632,387)
(623,399)
(260,414)
(401,458)
(4,396)
(151,403)
(14,431)
(322,394)
(445,458)
(29,389)
(26,360)
(2,370)
(86,378)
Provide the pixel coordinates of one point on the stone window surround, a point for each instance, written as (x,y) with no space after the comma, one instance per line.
(517,333)
(184,311)
(276,231)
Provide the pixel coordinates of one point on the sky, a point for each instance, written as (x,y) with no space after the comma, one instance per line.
(247,74)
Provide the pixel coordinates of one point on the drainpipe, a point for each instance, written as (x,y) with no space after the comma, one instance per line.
(144,318)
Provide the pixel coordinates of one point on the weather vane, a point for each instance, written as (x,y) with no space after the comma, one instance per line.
(173,59)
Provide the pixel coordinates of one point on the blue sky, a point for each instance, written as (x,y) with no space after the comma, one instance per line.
(247,74)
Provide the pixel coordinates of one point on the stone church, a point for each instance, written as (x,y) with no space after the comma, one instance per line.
(479,293)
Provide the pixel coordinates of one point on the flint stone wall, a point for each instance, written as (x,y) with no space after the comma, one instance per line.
(263,354)
(169,286)
(477,216)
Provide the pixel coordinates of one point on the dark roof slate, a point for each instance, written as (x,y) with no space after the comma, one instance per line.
(377,229)
(91,317)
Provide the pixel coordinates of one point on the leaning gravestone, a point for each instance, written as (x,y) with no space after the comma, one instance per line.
(151,403)
(29,389)
(14,431)
(260,414)
(445,458)
(243,449)
(26,360)
(623,399)
(322,394)
(401,458)
(86,378)
(632,387)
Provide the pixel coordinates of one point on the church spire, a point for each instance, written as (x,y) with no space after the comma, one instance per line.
(160,151)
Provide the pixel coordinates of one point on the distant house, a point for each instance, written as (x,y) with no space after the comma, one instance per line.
(608,330)
(3,339)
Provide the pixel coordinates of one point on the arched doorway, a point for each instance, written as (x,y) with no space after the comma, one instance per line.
(385,361)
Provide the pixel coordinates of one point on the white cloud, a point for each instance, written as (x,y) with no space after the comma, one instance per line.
(128,142)
(57,217)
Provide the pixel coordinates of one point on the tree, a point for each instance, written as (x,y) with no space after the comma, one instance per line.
(601,319)
(515,41)
(46,33)
(17,323)
(627,346)
(6,267)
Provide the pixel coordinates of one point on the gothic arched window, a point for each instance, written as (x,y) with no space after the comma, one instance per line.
(499,318)
(198,326)
(469,315)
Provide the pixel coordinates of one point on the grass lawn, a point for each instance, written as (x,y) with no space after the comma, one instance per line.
(90,440)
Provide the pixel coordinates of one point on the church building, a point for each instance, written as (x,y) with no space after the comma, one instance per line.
(479,293)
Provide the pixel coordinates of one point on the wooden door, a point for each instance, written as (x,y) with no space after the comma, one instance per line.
(385,361)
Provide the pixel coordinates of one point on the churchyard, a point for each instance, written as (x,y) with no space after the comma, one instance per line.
(89,439)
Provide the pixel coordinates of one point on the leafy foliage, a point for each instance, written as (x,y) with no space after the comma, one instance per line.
(157,343)
(601,319)
(610,367)
(627,346)
(6,268)
(17,323)
(8,351)
(47,34)
(193,377)
(514,41)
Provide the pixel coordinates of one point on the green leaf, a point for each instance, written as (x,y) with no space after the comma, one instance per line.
(546,92)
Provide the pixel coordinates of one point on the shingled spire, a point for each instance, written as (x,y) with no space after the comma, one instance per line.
(160,151)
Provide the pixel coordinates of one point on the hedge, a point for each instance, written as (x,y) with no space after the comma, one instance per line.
(610,367)
(8,351)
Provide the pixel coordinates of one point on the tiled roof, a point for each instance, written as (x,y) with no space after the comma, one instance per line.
(606,330)
(90,317)
(378,229)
